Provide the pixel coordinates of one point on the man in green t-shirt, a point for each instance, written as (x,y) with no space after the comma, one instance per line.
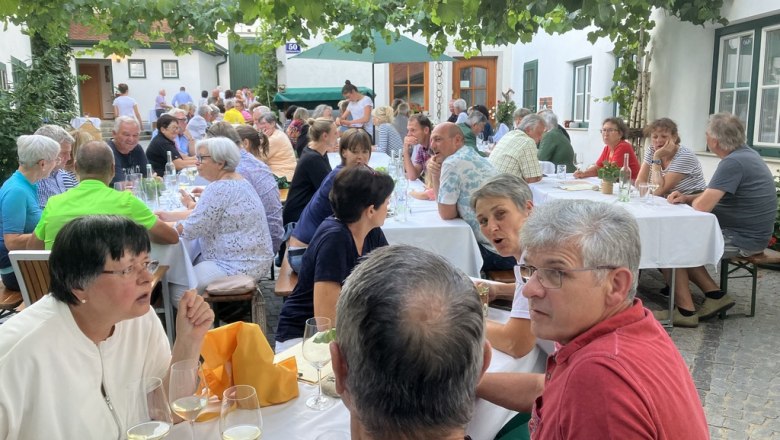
(95,168)
(555,146)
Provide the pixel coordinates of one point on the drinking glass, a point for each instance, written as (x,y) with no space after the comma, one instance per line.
(119,186)
(651,187)
(150,193)
(188,391)
(579,160)
(316,351)
(240,418)
(183,179)
(560,171)
(644,190)
(149,417)
(484,295)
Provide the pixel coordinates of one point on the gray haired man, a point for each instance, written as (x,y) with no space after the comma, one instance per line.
(59,180)
(410,346)
(616,373)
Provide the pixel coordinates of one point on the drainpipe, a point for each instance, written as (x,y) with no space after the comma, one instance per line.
(219,64)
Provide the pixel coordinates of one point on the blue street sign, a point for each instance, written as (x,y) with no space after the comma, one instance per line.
(292,48)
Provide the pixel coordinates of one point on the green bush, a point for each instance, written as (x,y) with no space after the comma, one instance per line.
(43,93)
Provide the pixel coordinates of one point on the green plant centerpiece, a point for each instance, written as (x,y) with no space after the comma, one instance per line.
(609,173)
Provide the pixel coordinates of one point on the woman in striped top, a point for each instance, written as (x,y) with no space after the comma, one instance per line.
(667,163)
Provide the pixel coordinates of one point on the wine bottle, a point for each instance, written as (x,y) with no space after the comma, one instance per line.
(170,169)
(624,193)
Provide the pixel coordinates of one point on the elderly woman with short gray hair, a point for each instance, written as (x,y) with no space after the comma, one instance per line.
(19,210)
(226,219)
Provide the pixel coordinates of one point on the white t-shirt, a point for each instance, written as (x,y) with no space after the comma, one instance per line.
(125,106)
(358,109)
(51,373)
(520,308)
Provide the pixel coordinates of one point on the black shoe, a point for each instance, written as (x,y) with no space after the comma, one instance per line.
(664,291)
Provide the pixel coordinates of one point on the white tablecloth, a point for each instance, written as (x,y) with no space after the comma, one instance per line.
(295,421)
(378,159)
(424,228)
(78,122)
(177,257)
(672,236)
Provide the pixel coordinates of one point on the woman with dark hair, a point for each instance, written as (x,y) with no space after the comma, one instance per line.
(288,115)
(124,105)
(165,141)
(312,167)
(98,329)
(358,113)
(253,141)
(613,133)
(354,149)
(359,198)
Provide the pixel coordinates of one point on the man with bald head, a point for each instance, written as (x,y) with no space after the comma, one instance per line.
(455,172)
(95,168)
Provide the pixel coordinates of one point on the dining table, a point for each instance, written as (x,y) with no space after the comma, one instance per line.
(293,420)
(672,235)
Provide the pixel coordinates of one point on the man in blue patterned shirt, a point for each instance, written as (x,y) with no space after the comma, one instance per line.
(456,172)
(59,180)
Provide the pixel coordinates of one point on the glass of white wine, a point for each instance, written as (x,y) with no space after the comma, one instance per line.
(579,160)
(316,351)
(149,416)
(651,187)
(240,417)
(188,391)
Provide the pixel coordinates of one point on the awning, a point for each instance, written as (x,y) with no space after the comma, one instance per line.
(310,97)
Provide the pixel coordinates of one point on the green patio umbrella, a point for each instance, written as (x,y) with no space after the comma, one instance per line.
(403,50)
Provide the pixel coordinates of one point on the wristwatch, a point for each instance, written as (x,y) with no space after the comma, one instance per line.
(656,161)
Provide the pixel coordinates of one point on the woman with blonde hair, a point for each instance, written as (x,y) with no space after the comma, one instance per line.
(80,137)
(388,140)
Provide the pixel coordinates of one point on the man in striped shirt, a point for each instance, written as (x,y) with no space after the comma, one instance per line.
(59,180)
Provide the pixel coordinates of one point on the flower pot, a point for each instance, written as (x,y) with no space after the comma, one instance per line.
(606,187)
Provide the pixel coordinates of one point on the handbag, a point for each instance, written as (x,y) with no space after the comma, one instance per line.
(231,285)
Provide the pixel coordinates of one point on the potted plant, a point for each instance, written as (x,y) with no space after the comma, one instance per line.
(609,174)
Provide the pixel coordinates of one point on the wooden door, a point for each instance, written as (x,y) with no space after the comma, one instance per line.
(474,80)
(90,91)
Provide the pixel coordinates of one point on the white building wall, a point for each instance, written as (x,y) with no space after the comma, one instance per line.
(13,43)
(197,72)
(296,73)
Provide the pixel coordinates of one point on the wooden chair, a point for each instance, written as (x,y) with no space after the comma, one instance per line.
(32,273)
(287,279)
(502,276)
(255,299)
(160,277)
(749,264)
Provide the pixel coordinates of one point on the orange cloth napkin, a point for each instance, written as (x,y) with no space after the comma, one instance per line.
(239,354)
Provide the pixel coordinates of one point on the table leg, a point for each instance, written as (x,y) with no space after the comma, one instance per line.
(669,323)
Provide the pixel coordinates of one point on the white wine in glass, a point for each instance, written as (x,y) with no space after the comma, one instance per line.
(188,391)
(149,416)
(240,417)
(579,160)
(316,351)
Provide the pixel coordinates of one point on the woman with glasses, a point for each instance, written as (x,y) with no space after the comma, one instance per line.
(613,133)
(228,220)
(19,209)
(359,198)
(71,355)
(503,204)
(165,141)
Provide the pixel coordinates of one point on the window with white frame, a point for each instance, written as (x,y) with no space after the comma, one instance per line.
(170,69)
(581,101)
(4,84)
(747,79)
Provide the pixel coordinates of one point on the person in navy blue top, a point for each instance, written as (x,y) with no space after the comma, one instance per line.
(355,149)
(359,199)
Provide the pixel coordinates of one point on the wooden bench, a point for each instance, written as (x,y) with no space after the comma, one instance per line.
(287,279)
(750,264)
(255,299)
(9,301)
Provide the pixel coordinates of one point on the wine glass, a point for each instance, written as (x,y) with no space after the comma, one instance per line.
(188,391)
(240,418)
(149,416)
(579,159)
(316,351)
(651,187)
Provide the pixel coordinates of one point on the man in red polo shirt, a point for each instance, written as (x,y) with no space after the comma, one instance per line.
(615,373)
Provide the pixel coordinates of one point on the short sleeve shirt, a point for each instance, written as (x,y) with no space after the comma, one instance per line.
(19,211)
(331,256)
(749,206)
(684,162)
(462,174)
(358,109)
(617,156)
(317,210)
(157,153)
(309,174)
(125,106)
(136,158)
(516,154)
